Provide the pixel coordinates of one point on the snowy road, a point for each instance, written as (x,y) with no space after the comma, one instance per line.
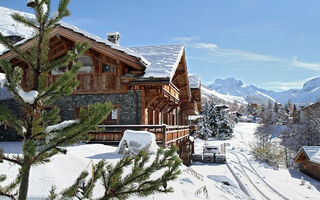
(256,186)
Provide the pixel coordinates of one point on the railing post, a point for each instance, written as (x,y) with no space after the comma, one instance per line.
(164,136)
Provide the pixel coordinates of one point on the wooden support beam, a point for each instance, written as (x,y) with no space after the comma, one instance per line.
(160,102)
(164,106)
(152,100)
(143,106)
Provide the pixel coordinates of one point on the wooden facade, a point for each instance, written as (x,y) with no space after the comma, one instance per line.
(306,165)
(165,102)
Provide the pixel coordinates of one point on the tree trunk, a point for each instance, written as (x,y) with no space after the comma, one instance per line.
(24,184)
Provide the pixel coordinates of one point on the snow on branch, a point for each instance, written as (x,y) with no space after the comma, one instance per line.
(2,79)
(28,97)
(61,125)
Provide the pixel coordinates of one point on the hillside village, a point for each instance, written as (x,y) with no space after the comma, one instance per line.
(97,130)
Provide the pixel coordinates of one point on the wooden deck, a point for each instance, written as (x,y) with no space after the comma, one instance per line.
(165,135)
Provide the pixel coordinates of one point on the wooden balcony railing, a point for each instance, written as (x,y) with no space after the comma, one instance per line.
(91,82)
(172,90)
(165,135)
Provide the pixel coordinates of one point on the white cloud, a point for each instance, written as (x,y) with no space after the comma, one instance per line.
(305,65)
(234,55)
(286,85)
(209,46)
(184,39)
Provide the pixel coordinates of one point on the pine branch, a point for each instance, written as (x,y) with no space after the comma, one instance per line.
(6,42)
(18,162)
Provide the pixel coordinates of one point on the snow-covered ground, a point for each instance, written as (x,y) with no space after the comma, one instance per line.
(64,169)
(261,181)
(255,179)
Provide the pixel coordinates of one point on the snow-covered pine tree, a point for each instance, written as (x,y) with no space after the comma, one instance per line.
(224,127)
(204,131)
(214,123)
(43,135)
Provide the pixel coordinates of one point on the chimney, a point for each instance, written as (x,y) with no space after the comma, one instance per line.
(114,37)
(31,3)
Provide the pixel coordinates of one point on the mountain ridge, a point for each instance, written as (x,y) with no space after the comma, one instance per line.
(309,93)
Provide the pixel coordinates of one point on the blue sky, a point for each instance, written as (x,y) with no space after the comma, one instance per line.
(269,43)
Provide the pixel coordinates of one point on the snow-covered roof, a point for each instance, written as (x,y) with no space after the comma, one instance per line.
(9,27)
(105,42)
(164,59)
(194,81)
(312,152)
(160,61)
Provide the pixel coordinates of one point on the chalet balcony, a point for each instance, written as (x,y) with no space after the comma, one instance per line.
(90,83)
(171,91)
(193,108)
(165,135)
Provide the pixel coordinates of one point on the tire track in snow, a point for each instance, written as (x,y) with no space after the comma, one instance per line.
(265,182)
(250,180)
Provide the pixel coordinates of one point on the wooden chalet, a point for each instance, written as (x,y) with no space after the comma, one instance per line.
(308,111)
(308,160)
(195,86)
(148,86)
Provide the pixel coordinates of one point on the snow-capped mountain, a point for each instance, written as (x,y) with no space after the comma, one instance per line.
(219,98)
(233,87)
(310,92)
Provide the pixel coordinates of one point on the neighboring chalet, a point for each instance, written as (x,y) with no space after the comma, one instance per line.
(312,110)
(148,86)
(195,86)
(308,160)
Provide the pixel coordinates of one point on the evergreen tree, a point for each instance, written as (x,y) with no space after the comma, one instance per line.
(43,135)
(225,128)
(214,123)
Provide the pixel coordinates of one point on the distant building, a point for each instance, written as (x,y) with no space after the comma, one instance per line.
(308,160)
(305,111)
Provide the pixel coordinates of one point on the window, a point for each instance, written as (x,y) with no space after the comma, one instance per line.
(112,118)
(60,70)
(114,114)
(107,68)
(87,65)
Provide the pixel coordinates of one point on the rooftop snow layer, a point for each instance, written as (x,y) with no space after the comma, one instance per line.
(194,81)
(161,61)
(105,42)
(313,153)
(164,59)
(9,27)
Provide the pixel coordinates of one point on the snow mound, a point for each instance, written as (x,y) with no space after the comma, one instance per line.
(136,141)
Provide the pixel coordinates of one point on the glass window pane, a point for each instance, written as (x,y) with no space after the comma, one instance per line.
(114,114)
(107,68)
(87,65)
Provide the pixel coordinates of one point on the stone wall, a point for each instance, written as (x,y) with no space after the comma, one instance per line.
(130,105)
